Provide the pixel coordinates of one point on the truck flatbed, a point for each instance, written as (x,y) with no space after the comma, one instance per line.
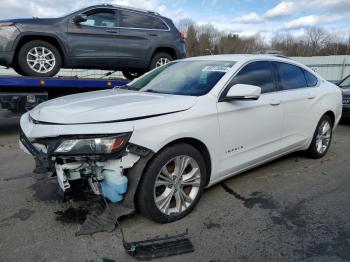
(20,94)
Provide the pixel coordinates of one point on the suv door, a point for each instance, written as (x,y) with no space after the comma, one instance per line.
(139,34)
(94,43)
(251,129)
(297,100)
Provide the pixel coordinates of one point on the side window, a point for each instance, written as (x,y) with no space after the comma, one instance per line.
(258,74)
(137,20)
(291,76)
(102,18)
(310,79)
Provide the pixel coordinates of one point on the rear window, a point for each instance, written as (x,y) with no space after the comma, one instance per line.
(310,79)
(137,20)
(291,76)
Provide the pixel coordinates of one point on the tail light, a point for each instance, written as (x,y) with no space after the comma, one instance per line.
(5,24)
(182,36)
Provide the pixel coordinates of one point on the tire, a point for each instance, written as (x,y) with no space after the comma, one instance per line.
(319,148)
(46,60)
(148,192)
(131,75)
(18,70)
(160,59)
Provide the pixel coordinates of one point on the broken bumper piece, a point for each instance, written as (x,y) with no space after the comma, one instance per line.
(106,174)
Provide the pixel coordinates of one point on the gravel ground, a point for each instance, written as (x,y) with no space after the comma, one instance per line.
(293,209)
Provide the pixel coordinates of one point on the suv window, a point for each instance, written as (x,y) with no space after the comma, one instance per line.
(257,74)
(103,18)
(291,76)
(137,20)
(310,79)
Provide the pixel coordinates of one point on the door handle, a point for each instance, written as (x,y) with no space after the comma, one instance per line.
(275,102)
(111,31)
(152,34)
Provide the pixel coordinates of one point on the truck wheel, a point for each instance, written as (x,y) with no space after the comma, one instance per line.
(160,59)
(131,75)
(39,58)
(172,184)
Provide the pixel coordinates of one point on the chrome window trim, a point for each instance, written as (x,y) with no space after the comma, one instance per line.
(128,10)
(267,60)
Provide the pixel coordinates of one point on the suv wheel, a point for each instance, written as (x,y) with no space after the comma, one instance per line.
(131,75)
(172,184)
(322,138)
(160,59)
(39,58)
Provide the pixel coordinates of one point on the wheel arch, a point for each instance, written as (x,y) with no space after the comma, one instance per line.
(164,49)
(202,149)
(331,115)
(43,37)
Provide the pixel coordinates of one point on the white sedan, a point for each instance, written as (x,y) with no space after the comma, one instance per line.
(156,143)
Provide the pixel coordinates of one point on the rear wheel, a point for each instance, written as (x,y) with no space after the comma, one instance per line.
(160,59)
(322,138)
(39,58)
(172,184)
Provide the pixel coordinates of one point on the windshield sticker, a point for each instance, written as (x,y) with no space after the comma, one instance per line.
(216,69)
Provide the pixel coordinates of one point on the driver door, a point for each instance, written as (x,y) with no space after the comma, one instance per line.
(94,43)
(251,130)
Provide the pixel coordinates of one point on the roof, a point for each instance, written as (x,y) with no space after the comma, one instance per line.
(241,57)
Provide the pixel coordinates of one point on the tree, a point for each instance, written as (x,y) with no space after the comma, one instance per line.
(192,41)
(316,38)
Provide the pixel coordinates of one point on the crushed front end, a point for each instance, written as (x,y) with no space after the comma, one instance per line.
(105,162)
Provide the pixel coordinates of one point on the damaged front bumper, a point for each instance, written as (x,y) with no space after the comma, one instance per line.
(116,176)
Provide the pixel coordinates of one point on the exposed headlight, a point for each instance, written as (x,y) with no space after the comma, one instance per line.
(93,146)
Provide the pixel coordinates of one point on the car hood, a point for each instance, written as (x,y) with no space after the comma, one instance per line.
(109,106)
(32,21)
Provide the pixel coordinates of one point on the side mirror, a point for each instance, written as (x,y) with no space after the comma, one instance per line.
(80,18)
(242,92)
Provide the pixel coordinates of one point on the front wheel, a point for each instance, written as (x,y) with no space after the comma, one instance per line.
(172,184)
(39,59)
(322,138)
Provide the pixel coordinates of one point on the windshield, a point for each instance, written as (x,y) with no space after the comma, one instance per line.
(346,83)
(192,78)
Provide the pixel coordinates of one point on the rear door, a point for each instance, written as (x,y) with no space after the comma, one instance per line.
(94,42)
(298,96)
(251,129)
(139,34)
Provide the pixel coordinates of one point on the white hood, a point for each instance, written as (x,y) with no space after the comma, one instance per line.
(108,106)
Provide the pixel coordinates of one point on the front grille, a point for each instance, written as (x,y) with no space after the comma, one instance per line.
(346,101)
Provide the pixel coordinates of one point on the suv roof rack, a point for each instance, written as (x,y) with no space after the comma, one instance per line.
(132,8)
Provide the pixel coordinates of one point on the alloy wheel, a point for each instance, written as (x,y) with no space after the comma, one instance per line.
(41,60)
(177,185)
(323,137)
(162,61)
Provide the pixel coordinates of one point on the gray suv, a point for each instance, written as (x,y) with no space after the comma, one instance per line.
(98,37)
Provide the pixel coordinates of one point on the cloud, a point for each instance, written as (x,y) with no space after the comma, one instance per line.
(288,8)
(310,20)
(251,18)
(284,8)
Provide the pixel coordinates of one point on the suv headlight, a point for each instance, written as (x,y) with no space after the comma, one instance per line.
(93,146)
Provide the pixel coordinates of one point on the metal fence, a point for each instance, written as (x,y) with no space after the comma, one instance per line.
(332,68)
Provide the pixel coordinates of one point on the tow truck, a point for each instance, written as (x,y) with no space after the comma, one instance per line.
(20,94)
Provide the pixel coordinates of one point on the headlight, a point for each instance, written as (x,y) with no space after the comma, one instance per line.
(93,146)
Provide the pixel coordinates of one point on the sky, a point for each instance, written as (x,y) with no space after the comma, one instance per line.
(244,17)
